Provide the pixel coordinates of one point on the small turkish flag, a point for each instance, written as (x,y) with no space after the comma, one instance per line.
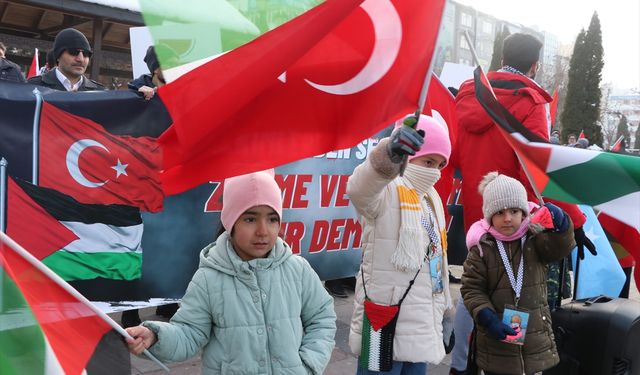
(80,158)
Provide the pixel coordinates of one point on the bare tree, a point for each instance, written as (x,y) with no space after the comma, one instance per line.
(609,117)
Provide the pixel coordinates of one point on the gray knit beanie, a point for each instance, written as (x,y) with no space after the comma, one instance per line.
(500,192)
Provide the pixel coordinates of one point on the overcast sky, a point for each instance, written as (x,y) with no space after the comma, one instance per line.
(619,20)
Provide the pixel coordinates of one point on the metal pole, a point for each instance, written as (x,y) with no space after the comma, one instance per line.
(3,196)
(36,136)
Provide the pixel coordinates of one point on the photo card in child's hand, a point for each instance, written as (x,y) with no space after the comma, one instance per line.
(518,319)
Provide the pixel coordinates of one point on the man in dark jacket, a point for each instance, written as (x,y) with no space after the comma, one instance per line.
(9,71)
(72,52)
(148,84)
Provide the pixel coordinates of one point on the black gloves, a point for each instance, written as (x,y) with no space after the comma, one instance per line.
(404,141)
(560,220)
(583,241)
(496,329)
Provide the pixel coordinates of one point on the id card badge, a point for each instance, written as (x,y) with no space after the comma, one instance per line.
(435,267)
(518,319)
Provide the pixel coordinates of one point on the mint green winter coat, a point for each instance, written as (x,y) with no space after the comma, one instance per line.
(264,316)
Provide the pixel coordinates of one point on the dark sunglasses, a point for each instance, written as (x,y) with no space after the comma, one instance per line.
(76,52)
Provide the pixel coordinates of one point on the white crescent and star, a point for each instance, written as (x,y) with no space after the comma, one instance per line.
(73,155)
(387,28)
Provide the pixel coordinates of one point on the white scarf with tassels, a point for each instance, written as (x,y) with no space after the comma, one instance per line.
(415,183)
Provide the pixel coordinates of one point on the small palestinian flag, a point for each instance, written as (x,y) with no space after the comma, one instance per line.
(378,330)
(46,330)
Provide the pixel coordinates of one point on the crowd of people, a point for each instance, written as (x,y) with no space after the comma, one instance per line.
(253,307)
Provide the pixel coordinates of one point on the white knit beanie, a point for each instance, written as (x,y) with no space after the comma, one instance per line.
(500,192)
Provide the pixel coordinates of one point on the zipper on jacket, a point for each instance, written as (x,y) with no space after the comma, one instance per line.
(521,359)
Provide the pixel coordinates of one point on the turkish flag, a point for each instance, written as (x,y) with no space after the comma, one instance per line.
(302,89)
(80,158)
(32,226)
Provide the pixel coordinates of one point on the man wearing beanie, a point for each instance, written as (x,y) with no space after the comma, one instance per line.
(72,52)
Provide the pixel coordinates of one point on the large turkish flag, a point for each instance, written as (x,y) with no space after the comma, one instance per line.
(80,158)
(303,89)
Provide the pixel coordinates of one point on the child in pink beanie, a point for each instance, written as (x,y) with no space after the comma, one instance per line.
(252,306)
(404,251)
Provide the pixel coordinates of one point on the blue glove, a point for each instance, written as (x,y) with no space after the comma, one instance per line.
(560,220)
(404,141)
(496,329)
(583,241)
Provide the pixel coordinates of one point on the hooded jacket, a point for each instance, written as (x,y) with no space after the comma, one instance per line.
(481,148)
(264,316)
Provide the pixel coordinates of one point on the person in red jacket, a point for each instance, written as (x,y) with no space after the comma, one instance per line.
(480,146)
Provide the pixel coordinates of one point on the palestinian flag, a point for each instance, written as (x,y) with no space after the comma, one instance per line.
(608,182)
(44,329)
(77,241)
(378,330)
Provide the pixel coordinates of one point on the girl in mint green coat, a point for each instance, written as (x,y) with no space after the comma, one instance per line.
(252,307)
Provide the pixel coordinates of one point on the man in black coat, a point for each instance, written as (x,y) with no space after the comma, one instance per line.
(72,53)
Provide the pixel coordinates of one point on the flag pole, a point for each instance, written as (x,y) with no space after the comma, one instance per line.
(3,196)
(3,210)
(36,136)
(422,99)
(71,290)
(523,164)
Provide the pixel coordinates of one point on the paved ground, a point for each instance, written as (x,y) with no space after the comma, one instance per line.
(342,361)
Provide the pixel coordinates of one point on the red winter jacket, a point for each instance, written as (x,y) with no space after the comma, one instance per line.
(481,148)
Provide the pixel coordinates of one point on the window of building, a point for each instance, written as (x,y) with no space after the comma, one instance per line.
(466,20)
(463,42)
(487,27)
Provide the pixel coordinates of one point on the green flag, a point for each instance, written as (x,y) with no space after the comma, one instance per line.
(192,30)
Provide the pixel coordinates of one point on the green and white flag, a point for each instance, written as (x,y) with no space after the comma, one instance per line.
(608,182)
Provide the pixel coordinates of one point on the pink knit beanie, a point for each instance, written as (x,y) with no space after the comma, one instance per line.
(243,192)
(436,138)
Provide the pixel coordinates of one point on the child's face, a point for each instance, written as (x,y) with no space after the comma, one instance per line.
(507,221)
(430,161)
(255,232)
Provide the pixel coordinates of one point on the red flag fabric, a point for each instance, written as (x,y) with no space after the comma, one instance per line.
(72,329)
(553,108)
(582,136)
(32,226)
(379,315)
(627,236)
(80,158)
(34,69)
(303,89)
(442,106)
(617,146)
